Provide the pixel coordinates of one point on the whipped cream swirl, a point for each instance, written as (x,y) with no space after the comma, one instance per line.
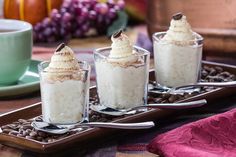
(63,60)
(122,49)
(179,30)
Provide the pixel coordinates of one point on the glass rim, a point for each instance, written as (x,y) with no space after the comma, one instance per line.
(88,67)
(199,38)
(99,50)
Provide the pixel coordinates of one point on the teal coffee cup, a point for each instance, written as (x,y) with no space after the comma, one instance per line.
(15,50)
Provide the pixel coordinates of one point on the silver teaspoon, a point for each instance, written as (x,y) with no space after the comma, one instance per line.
(186,88)
(61,129)
(211,84)
(119,112)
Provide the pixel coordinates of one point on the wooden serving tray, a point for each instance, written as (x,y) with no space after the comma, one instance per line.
(89,135)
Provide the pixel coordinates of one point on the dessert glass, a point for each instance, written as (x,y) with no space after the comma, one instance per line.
(178,63)
(65,96)
(122,86)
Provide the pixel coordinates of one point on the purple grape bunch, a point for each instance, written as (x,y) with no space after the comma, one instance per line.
(77,19)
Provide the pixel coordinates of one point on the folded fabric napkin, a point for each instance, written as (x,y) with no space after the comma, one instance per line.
(210,137)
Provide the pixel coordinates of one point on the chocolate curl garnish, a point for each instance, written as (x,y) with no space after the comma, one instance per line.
(60,47)
(177,16)
(117,34)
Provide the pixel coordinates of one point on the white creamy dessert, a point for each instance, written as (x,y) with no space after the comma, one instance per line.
(122,75)
(178,54)
(63,88)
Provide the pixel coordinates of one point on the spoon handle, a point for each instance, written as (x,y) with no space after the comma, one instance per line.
(181,105)
(210,84)
(142,125)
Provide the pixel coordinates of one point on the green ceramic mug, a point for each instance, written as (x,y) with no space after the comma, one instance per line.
(15,50)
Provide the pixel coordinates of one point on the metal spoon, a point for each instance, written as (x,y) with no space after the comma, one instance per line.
(119,112)
(190,88)
(61,129)
(211,84)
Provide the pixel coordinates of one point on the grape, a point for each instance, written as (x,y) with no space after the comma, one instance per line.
(78,9)
(67,26)
(56,17)
(38,27)
(55,30)
(111,13)
(66,17)
(121,4)
(74,3)
(86,4)
(77,18)
(54,23)
(93,3)
(46,22)
(62,31)
(66,4)
(107,21)
(53,13)
(63,11)
(92,15)
(99,19)
(47,32)
(84,12)
(72,10)
(101,8)
(80,19)
(110,3)
(85,27)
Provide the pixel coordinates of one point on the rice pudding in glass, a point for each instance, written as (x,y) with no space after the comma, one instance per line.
(177,54)
(64,84)
(122,72)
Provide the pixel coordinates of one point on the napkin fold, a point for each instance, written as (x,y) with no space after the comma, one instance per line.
(210,137)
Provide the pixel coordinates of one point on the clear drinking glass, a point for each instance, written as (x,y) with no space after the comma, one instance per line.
(122,85)
(177,63)
(65,95)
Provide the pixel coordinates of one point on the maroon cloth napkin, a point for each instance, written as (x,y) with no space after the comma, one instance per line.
(210,137)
